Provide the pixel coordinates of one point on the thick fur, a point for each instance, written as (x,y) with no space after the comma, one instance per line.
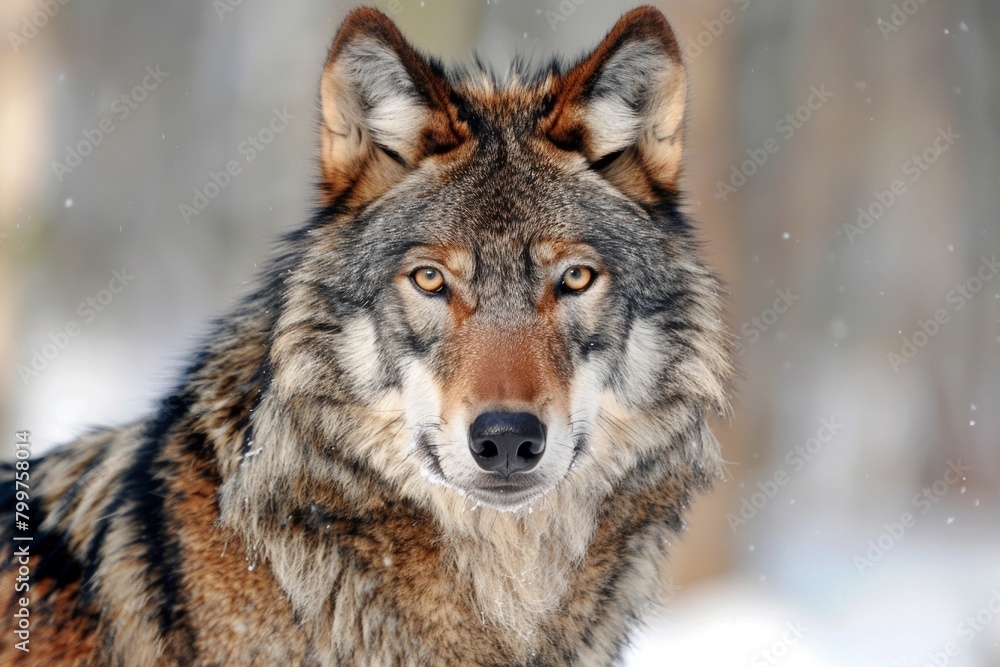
(307,494)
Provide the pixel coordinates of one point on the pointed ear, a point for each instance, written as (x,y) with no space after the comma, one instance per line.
(622,107)
(384,109)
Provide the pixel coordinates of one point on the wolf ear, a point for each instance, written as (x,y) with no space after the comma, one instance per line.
(384,109)
(622,107)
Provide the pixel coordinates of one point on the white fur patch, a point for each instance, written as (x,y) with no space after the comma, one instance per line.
(619,107)
(358,354)
(390,107)
(644,362)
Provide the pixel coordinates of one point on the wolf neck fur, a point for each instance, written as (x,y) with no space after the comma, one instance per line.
(512,568)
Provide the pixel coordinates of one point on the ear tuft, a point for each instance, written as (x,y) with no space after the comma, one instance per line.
(623,107)
(384,109)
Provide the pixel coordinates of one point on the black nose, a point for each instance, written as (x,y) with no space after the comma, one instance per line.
(507,442)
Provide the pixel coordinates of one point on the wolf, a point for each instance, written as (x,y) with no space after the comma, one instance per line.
(458,421)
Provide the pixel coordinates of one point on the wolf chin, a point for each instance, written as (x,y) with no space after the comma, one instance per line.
(461,416)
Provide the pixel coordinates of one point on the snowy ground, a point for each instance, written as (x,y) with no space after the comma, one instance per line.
(932,599)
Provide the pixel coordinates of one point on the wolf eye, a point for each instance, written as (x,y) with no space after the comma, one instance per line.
(577,278)
(428,279)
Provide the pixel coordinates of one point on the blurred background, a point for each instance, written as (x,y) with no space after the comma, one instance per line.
(842,166)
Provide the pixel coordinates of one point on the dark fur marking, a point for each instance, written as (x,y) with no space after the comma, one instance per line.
(58,563)
(572,141)
(415,343)
(396,157)
(605,161)
(144,484)
(468,114)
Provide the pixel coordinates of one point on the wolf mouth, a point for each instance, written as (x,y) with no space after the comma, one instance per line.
(510,488)
(508,497)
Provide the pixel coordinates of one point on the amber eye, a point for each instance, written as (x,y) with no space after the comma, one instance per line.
(428,279)
(577,278)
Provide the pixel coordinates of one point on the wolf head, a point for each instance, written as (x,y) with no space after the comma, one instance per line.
(499,292)
(508,262)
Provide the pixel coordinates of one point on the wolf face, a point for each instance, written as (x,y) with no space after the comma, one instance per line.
(501,266)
